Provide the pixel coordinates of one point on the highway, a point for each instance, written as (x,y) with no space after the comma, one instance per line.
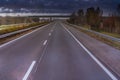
(51,52)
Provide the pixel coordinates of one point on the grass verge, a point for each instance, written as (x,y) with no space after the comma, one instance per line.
(15,27)
(12,37)
(106,33)
(100,38)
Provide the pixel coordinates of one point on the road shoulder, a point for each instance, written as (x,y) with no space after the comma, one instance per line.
(105,53)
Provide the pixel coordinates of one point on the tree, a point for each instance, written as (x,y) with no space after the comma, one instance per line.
(93,17)
(80,16)
(72,18)
(118,9)
(118,19)
(98,16)
(90,15)
(80,12)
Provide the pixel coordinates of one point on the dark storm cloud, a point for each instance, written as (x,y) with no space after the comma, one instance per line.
(68,5)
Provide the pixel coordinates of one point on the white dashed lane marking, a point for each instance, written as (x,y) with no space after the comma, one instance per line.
(45,42)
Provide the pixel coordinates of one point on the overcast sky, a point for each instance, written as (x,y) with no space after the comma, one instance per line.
(59,5)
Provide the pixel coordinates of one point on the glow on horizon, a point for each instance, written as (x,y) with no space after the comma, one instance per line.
(32,14)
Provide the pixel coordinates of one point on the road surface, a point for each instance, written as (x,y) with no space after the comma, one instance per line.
(50,53)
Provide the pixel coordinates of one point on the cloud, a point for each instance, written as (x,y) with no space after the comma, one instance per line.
(86,0)
(57,5)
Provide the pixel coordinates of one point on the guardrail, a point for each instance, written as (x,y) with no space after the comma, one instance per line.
(16,32)
(100,34)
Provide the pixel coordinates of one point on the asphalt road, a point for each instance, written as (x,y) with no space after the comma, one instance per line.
(49,53)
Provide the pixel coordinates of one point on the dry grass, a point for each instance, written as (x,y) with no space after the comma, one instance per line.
(11,28)
(105,40)
(9,38)
(112,34)
(87,27)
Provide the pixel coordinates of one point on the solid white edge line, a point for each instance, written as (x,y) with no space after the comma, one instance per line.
(29,71)
(22,36)
(45,42)
(92,56)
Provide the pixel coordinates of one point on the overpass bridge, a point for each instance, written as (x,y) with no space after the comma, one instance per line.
(32,17)
(40,15)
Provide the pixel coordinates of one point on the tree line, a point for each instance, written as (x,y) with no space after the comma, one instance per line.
(93,17)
